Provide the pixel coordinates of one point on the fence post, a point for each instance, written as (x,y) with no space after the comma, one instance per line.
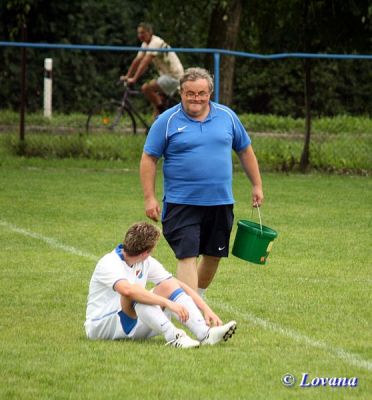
(216,76)
(48,87)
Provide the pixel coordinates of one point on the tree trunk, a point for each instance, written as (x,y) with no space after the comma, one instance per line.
(223,34)
(23,86)
(305,156)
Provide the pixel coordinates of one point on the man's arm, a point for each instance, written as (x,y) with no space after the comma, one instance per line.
(133,68)
(250,165)
(137,293)
(148,177)
(143,64)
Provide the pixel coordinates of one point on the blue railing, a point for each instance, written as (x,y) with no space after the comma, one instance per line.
(216,53)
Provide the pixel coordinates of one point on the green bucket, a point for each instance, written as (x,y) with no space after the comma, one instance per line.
(253,242)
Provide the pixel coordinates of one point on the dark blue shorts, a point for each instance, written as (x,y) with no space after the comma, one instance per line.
(194,230)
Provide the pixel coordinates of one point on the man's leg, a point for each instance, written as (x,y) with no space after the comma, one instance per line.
(207,269)
(196,323)
(150,90)
(187,272)
(151,321)
(181,229)
(215,237)
(154,318)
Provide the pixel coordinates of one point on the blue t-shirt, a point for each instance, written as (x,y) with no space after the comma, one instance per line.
(197,164)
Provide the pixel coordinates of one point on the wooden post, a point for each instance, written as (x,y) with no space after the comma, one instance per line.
(48,87)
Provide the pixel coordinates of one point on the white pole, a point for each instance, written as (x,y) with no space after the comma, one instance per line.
(48,87)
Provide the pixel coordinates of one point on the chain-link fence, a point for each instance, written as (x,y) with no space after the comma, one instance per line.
(342,152)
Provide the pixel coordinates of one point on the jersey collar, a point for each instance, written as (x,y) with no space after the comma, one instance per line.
(119,251)
(209,116)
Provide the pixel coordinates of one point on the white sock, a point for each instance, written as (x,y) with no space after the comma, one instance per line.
(196,322)
(201,292)
(154,317)
(168,313)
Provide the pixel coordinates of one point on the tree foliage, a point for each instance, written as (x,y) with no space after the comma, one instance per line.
(78,76)
(272,26)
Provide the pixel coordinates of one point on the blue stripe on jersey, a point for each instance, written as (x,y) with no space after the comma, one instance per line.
(176,294)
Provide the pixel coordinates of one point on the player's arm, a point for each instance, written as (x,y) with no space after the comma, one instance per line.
(137,293)
(249,163)
(148,178)
(210,317)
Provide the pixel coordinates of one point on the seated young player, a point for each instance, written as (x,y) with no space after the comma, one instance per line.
(120,307)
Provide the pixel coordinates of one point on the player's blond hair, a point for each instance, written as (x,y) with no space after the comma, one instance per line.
(140,237)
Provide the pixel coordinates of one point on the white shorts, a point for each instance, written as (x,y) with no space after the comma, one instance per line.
(168,84)
(111,328)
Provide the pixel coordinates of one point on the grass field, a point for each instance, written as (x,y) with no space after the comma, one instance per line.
(307,311)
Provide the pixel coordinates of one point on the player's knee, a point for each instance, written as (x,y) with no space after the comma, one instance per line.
(166,287)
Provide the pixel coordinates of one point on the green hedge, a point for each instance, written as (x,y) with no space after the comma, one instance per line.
(341,144)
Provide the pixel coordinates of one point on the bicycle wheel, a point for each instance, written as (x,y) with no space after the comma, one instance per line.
(110,117)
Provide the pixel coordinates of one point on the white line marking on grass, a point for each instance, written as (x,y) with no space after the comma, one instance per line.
(350,358)
(50,241)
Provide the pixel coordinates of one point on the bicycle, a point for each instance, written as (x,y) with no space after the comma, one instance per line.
(114,115)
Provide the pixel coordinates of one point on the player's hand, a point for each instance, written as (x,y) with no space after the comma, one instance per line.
(152,209)
(212,319)
(180,310)
(123,78)
(257,196)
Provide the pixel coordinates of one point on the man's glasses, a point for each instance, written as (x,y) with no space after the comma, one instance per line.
(193,95)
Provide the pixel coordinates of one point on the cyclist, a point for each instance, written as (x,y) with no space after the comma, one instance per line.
(167,64)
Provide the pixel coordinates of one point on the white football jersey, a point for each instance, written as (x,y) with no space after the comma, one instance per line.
(103,300)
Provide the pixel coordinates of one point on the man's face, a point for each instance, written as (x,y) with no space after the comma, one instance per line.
(143,35)
(195,97)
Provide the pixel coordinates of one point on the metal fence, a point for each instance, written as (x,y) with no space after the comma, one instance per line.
(278,149)
(216,54)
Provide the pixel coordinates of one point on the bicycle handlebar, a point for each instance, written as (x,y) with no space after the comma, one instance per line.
(120,82)
(129,88)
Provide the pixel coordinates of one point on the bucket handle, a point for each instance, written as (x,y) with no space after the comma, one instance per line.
(259,215)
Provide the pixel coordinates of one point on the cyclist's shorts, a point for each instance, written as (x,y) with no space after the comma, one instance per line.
(168,84)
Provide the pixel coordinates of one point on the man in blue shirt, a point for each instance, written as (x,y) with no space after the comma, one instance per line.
(195,139)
